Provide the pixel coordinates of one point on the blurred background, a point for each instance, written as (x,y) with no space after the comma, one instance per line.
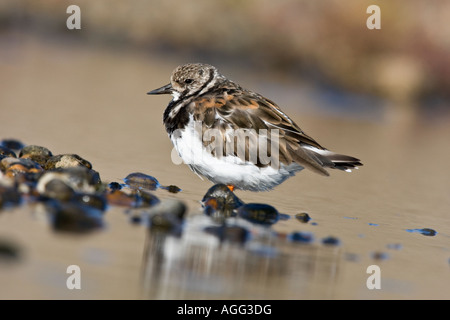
(326,42)
(379,95)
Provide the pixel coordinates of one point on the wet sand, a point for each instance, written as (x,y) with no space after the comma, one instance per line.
(92,101)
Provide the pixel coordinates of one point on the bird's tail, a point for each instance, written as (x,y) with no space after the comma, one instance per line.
(330,159)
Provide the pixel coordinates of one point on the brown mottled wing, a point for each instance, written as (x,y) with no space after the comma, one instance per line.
(231,107)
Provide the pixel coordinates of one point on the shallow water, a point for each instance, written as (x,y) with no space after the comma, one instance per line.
(92,101)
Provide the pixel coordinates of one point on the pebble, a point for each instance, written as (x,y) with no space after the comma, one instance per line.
(303,217)
(4,151)
(172,189)
(220,202)
(6,162)
(258,213)
(66,161)
(58,189)
(80,179)
(114,186)
(12,144)
(138,180)
(36,153)
(26,167)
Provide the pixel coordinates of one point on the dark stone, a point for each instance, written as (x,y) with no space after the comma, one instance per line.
(66,161)
(114,186)
(4,151)
(12,144)
(220,202)
(36,153)
(138,180)
(58,189)
(303,217)
(172,189)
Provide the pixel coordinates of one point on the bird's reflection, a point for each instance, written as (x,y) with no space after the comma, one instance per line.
(201,264)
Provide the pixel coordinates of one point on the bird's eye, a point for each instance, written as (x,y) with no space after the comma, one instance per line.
(188,81)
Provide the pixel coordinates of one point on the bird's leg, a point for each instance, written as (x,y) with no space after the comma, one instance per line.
(231,187)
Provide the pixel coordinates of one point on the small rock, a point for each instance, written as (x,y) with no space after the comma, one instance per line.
(303,217)
(138,180)
(66,161)
(172,189)
(36,153)
(26,167)
(12,144)
(80,179)
(4,151)
(114,186)
(220,202)
(58,189)
(6,162)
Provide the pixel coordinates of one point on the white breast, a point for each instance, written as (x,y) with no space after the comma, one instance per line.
(229,170)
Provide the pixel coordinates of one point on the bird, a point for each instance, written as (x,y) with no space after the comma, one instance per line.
(234,136)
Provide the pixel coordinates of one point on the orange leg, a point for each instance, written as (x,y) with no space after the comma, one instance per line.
(231,187)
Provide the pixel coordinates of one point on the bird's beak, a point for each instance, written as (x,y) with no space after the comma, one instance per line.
(167,89)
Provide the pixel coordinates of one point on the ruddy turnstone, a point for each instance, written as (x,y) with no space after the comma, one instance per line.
(237,137)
